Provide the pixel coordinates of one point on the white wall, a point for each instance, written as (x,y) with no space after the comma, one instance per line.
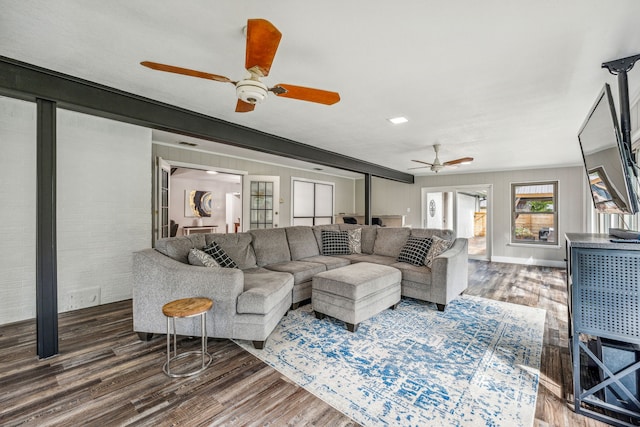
(390,197)
(103,207)
(17,210)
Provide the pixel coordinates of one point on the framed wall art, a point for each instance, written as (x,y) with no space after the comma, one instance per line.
(197,204)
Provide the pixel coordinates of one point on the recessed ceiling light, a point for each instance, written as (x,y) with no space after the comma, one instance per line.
(212,172)
(398,120)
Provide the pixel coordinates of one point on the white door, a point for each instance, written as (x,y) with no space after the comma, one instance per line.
(434,210)
(260,202)
(161,211)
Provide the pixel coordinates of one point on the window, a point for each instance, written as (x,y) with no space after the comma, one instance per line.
(312,202)
(534,216)
(261,204)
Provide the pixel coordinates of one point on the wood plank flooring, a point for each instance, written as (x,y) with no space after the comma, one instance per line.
(105,376)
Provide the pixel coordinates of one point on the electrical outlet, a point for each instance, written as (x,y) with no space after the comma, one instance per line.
(408,210)
(82,298)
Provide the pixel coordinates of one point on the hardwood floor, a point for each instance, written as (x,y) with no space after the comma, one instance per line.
(105,376)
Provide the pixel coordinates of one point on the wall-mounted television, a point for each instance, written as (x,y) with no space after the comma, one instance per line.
(611,172)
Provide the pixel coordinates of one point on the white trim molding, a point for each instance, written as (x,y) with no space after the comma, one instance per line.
(529,261)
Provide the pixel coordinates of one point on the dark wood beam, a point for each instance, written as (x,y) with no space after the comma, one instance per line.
(367,199)
(46,246)
(27,81)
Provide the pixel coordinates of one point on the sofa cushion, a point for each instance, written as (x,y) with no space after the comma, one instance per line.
(271,246)
(375,259)
(201,259)
(302,242)
(430,232)
(351,257)
(438,247)
(389,241)
(302,271)
(335,242)
(263,291)
(414,273)
(330,262)
(219,255)
(237,246)
(178,247)
(415,250)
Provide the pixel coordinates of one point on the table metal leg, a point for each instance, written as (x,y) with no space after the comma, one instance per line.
(205,356)
(168,345)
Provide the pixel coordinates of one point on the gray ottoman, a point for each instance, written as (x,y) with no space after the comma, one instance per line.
(355,292)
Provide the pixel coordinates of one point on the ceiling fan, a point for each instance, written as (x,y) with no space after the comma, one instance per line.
(436,166)
(262,43)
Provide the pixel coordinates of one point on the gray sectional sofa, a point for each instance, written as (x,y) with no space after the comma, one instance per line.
(274,274)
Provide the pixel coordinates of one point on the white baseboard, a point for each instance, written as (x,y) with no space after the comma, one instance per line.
(529,261)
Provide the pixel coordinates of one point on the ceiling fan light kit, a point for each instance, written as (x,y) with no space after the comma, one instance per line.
(251,91)
(263,39)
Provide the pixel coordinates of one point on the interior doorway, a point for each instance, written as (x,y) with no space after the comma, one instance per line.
(193,198)
(466,210)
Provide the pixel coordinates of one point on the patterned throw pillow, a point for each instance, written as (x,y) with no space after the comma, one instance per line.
(201,258)
(220,256)
(335,242)
(415,250)
(438,246)
(355,237)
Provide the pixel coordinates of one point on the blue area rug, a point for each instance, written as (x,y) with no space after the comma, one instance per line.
(476,364)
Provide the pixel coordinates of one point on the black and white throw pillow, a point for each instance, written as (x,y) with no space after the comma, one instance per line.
(220,256)
(415,250)
(335,242)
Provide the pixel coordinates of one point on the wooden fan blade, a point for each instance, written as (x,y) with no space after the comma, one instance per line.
(419,167)
(262,43)
(424,163)
(244,107)
(306,94)
(186,72)
(458,161)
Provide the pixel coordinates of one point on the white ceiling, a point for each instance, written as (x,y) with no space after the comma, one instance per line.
(508,82)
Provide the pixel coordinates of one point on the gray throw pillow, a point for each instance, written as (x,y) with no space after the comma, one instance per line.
(438,246)
(355,237)
(201,258)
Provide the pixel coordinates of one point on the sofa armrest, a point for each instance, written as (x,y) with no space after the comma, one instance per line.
(159,279)
(449,272)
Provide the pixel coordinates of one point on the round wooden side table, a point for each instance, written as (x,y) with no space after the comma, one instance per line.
(186,307)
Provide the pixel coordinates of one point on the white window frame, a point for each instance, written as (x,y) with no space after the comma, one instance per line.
(315,219)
